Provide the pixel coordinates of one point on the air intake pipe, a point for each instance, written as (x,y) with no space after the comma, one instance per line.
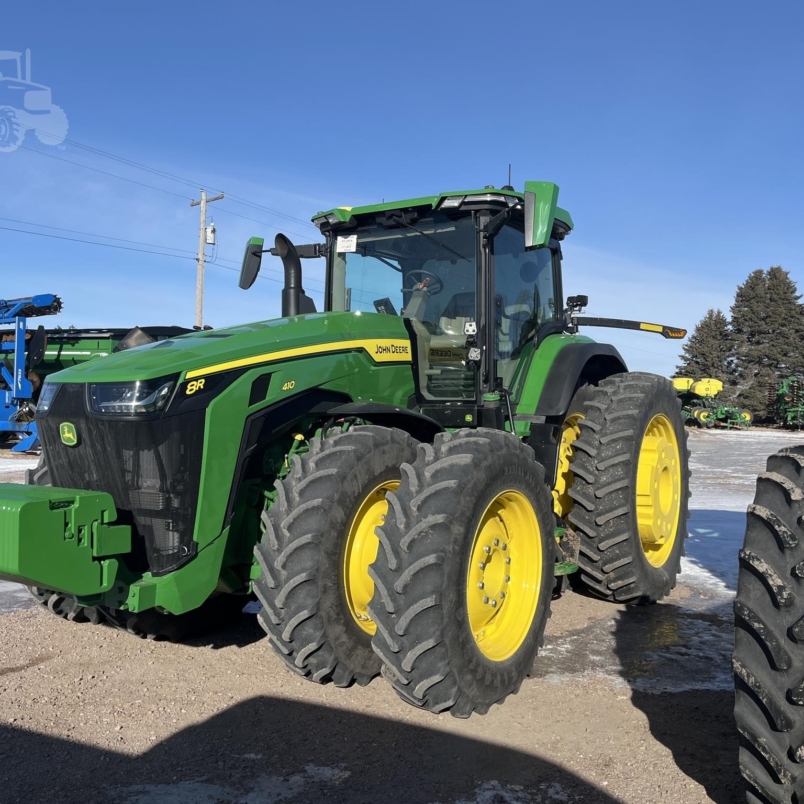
(294,299)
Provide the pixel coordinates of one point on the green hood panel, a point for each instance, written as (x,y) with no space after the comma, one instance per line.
(212,349)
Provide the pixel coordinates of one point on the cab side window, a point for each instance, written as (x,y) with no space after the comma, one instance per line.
(524,292)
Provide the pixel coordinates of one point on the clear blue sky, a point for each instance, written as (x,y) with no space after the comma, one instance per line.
(673,129)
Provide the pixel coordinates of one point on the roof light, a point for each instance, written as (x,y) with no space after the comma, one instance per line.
(489,197)
(453,202)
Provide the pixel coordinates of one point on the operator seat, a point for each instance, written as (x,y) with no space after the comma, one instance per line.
(459,309)
(509,328)
(442,354)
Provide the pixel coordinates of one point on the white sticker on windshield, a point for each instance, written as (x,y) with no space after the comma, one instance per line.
(346,244)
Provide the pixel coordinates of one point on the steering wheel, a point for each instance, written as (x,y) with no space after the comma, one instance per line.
(430,282)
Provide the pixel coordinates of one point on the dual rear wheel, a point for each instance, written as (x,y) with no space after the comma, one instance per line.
(434,564)
(366,565)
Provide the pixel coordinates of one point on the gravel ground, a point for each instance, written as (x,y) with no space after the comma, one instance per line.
(627,705)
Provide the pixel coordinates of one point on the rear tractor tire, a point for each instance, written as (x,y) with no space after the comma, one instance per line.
(465,572)
(631,488)
(570,431)
(319,540)
(769,635)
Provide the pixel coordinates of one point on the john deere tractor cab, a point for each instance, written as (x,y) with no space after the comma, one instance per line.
(403,479)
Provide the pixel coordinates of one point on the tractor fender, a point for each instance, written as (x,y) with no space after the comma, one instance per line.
(260,428)
(419,426)
(575,365)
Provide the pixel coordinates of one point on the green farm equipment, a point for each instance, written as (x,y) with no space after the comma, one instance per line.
(699,404)
(786,403)
(403,479)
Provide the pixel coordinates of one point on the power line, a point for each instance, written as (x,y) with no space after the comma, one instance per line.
(140,250)
(160,189)
(92,234)
(105,172)
(271,211)
(121,159)
(262,223)
(163,174)
(94,243)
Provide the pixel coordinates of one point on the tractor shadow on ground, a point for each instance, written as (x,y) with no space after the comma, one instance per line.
(245,631)
(268,750)
(678,665)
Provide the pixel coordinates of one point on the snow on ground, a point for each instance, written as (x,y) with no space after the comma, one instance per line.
(685,642)
(12,469)
(724,465)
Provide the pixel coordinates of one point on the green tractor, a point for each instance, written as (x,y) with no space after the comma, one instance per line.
(403,479)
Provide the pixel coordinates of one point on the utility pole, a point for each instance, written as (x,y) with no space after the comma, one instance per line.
(202,243)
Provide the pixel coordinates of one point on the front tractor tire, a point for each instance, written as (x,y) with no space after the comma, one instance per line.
(58,603)
(630,489)
(465,572)
(66,607)
(769,635)
(319,540)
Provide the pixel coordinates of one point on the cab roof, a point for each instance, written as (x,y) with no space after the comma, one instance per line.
(343,214)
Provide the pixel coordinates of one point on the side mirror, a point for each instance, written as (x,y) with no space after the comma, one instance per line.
(251,262)
(541,198)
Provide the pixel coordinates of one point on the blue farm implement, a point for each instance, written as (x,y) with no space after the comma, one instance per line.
(20,351)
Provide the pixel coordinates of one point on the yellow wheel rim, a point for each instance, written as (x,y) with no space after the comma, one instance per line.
(746,416)
(562,502)
(504,577)
(658,494)
(361,550)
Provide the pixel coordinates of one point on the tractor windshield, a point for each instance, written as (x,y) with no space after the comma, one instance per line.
(425,272)
(10,65)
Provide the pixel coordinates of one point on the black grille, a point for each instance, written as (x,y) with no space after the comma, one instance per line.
(152,469)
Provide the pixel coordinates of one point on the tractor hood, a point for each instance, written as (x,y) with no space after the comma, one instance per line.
(382,336)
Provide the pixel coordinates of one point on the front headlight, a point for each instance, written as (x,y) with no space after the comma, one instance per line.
(46,397)
(131,398)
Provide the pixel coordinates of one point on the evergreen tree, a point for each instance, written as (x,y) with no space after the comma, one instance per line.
(785,323)
(750,335)
(767,332)
(707,353)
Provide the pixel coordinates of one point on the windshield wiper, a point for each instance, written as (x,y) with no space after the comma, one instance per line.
(400,219)
(381,259)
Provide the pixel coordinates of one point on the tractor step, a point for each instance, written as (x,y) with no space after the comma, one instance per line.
(60,539)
